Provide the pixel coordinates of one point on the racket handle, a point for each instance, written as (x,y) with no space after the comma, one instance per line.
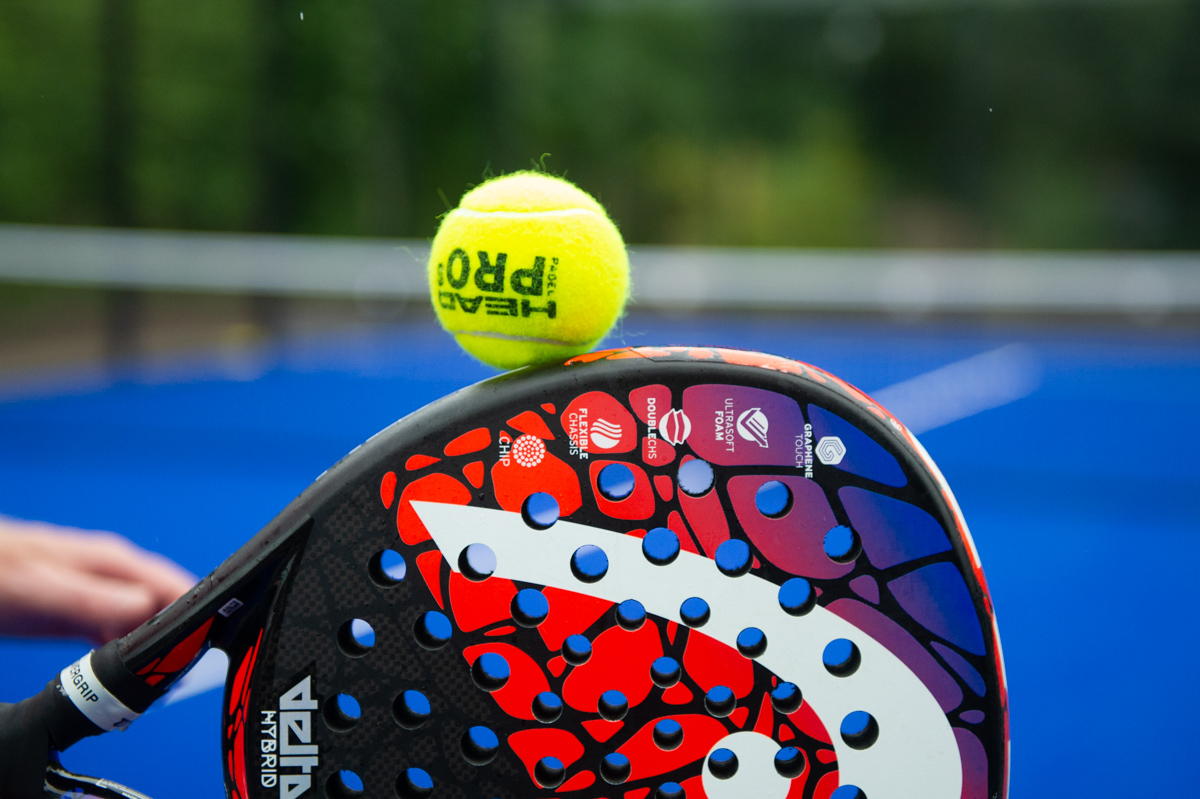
(93,695)
(25,744)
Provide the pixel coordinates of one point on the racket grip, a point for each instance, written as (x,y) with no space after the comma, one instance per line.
(25,744)
(93,695)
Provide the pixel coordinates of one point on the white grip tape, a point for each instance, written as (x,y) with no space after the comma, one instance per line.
(85,690)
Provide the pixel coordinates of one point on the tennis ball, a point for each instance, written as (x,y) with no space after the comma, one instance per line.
(528,269)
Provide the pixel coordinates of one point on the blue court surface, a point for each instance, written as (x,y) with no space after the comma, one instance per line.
(1082,489)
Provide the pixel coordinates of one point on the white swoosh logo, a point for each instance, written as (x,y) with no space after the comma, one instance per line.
(916,755)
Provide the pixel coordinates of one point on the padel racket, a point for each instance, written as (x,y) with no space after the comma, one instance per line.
(647,573)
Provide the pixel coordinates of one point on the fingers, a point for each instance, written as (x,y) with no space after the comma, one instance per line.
(52,599)
(57,581)
(110,555)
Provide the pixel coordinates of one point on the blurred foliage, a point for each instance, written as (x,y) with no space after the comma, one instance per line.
(1072,125)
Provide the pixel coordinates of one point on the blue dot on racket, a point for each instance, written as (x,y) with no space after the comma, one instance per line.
(841,657)
(694,612)
(433,630)
(733,557)
(669,790)
(667,734)
(540,510)
(351,782)
(490,671)
(752,642)
(576,650)
(547,707)
(723,763)
(848,792)
(720,701)
(790,762)
(631,614)
(480,746)
(797,596)
(660,546)
(695,478)
(612,705)
(549,772)
(477,562)
(786,698)
(411,709)
(615,768)
(414,783)
(530,607)
(348,706)
(665,672)
(773,499)
(589,564)
(615,481)
(363,633)
(388,567)
(840,544)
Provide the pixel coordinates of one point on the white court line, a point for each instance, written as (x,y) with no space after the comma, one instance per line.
(963,388)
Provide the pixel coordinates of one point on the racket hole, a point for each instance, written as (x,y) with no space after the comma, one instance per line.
(670,790)
(549,772)
(752,642)
(661,546)
(547,707)
(612,705)
(341,712)
(589,563)
(477,562)
(773,499)
(414,783)
(529,607)
(668,734)
(615,768)
(343,784)
(722,763)
(720,701)
(695,478)
(848,792)
(411,709)
(733,558)
(859,730)
(615,482)
(355,638)
(665,672)
(387,568)
(841,657)
(490,672)
(540,510)
(631,614)
(576,650)
(842,544)
(480,746)
(790,762)
(786,698)
(797,597)
(694,612)
(432,630)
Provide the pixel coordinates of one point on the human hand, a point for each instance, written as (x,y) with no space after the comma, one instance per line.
(65,582)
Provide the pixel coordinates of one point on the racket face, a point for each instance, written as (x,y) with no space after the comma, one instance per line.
(645,573)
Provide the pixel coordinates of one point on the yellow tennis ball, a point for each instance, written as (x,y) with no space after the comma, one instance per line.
(528,269)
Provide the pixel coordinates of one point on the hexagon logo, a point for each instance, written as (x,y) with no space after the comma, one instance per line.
(831,450)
